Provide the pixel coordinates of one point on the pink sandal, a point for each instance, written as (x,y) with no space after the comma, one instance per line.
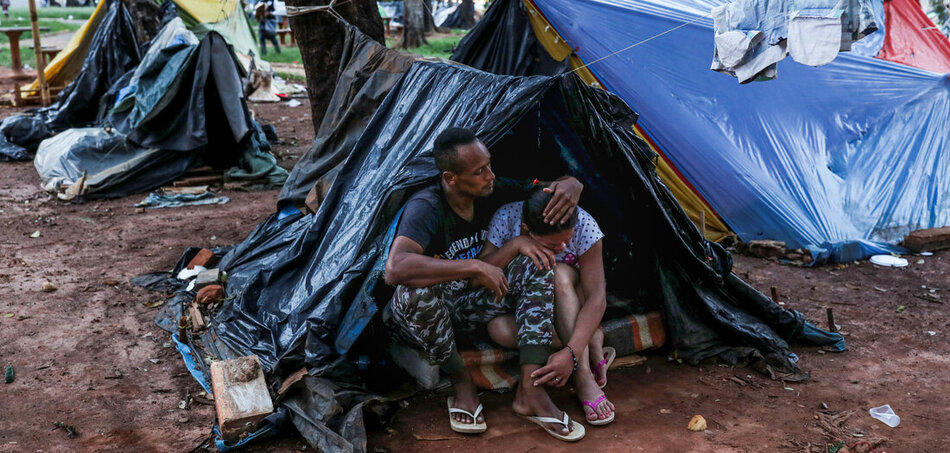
(609,355)
(593,407)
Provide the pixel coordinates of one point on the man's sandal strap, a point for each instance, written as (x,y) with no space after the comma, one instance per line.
(564,421)
(456,410)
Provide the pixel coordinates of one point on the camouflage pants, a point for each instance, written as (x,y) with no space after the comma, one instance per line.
(429,317)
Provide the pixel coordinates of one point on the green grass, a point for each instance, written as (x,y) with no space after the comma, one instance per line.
(26,54)
(286,55)
(437,47)
(291,77)
(78,12)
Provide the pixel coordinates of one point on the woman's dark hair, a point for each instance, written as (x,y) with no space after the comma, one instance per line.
(532,214)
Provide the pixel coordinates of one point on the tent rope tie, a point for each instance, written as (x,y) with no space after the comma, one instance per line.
(641,42)
(293,11)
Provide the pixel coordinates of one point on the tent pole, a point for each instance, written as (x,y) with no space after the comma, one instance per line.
(702,223)
(38,51)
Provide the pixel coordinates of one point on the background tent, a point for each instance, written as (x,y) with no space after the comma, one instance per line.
(303,289)
(110,52)
(200,16)
(912,38)
(183,106)
(841,159)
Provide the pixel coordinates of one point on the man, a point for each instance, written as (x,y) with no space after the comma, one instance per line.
(441,284)
(267,25)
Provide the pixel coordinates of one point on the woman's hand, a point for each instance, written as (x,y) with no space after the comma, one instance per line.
(558,370)
(542,256)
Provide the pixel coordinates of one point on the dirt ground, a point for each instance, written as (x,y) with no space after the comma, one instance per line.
(88,354)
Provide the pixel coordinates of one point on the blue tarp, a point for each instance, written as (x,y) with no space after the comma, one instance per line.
(843,157)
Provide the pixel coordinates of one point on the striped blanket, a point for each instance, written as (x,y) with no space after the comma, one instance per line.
(494,368)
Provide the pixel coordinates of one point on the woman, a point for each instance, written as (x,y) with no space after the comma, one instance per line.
(575,250)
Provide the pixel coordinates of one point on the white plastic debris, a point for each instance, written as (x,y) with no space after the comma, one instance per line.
(186,273)
(886,414)
(888,261)
(293,103)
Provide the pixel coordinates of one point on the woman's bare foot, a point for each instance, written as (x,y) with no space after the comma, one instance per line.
(596,348)
(588,390)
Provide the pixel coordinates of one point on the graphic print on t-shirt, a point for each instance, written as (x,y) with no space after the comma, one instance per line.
(466,248)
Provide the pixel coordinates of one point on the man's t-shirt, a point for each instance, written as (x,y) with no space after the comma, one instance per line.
(429,221)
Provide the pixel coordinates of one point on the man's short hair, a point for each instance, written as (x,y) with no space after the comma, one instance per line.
(446,146)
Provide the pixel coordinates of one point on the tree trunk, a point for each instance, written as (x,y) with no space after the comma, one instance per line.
(413,25)
(431,26)
(319,37)
(467,14)
(145,14)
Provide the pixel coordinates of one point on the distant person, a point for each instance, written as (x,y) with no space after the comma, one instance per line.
(267,29)
(6,8)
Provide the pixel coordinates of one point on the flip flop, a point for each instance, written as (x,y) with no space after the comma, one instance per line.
(575,435)
(609,355)
(593,407)
(465,428)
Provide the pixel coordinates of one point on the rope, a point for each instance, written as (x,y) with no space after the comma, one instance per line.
(293,11)
(644,41)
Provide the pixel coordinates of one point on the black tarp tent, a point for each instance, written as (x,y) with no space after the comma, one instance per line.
(181,106)
(303,288)
(113,51)
(503,42)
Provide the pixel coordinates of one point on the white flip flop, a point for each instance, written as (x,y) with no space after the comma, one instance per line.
(575,435)
(465,428)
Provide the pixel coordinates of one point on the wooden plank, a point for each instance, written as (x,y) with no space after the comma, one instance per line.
(628,361)
(241,398)
(199,180)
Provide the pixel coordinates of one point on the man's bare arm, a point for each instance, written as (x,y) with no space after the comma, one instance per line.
(407,266)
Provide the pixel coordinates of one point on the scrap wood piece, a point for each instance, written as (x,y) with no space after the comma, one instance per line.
(290,381)
(628,361)
(184,190)
(240,395)
(199,180)
(197,320)
(435,437)
(930,298)
(741,382)
(201,169)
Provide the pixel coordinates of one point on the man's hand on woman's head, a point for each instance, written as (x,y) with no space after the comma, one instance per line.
(566,193)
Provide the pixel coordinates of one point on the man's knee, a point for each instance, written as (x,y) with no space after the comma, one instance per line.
(521,264)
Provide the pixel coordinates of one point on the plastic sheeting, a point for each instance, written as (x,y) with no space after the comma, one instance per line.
(913,39)
(844,157)
(185,93)
(182,106)
(503,42)
(545,37)
(113,51)
(368,70)
(296,279)
(112,165)
(454,19)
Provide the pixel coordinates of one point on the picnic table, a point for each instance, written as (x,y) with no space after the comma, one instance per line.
(14,34)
